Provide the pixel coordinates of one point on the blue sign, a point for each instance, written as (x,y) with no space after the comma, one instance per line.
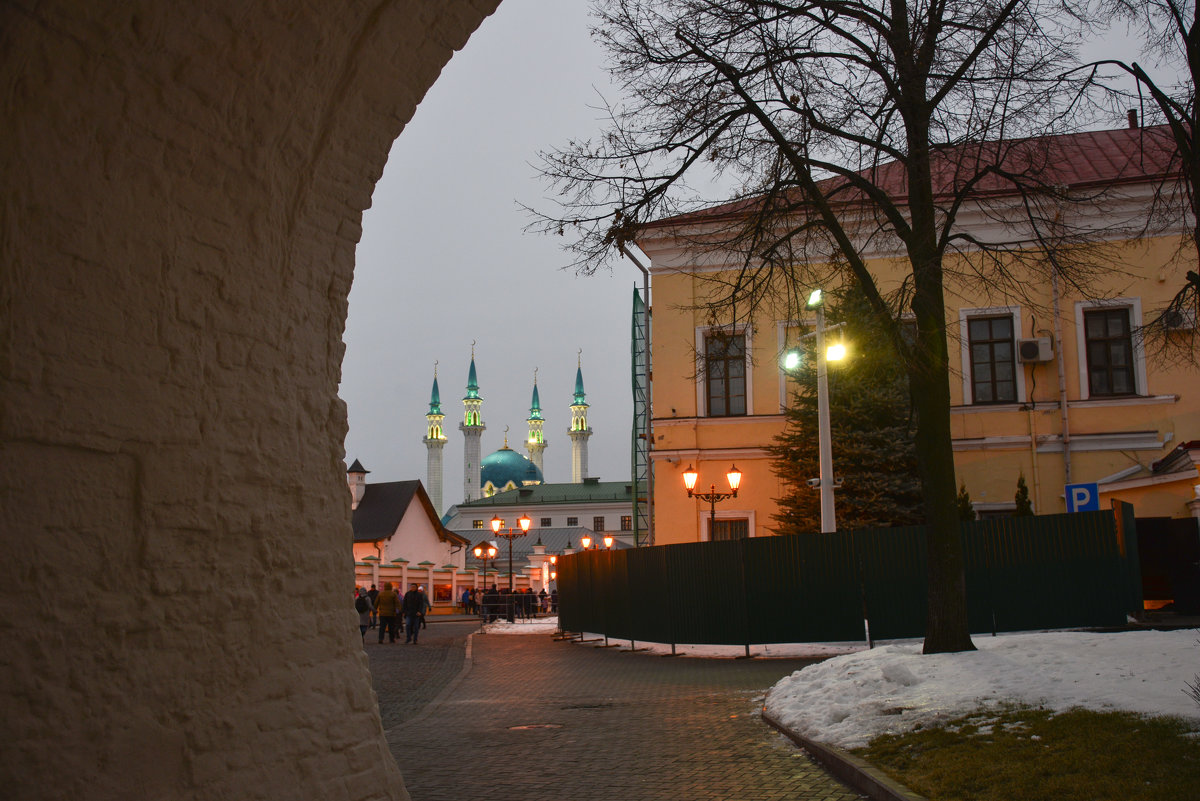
(1083,498)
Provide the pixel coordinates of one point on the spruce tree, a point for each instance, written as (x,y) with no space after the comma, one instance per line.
(1024,505)
(872,434)
(965,510)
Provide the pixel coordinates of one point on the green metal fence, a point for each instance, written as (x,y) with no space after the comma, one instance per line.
(1022,573)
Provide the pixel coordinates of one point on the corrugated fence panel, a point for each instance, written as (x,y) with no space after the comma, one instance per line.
(1053,571)
(706,580)
(801,588)
(892,565)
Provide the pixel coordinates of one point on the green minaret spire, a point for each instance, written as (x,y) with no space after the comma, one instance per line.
(580,395)
(435,397)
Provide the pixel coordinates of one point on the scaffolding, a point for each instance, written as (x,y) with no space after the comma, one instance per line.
(643,507)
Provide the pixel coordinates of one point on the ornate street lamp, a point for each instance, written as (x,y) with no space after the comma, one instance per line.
(484,551)
(712,497)
(497,523)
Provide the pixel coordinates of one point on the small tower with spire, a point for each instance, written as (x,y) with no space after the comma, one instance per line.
(579,433)
(435,441)
(535,443)
(472,427)
(356,477)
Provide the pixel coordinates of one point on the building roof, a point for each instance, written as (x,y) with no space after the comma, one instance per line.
(1077,161)
(555,540)
(384,505)
(590,491)
(357,468)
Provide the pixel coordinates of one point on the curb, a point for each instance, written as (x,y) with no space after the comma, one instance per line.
(855,773)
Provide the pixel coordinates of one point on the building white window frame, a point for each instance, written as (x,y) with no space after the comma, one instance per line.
(964,318)
(1134,305)
(701,332)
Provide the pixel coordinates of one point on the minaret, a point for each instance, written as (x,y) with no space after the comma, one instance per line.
(579,432)
(356,477)
(435,440)
(472,427)
(535,443)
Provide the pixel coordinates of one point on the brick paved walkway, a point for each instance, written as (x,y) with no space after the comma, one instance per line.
(533,720)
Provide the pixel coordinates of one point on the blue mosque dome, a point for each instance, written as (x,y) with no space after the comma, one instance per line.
(506,469)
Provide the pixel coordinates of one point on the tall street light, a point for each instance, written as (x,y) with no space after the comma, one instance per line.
(712,497)
(484,551)
(523,521)
(826,481)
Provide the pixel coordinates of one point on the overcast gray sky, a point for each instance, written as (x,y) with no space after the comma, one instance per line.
(443,261)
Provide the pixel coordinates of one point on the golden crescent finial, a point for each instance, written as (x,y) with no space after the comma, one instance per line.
(579,363)
(506,436)
(435,364)
(472,349)
(535,375)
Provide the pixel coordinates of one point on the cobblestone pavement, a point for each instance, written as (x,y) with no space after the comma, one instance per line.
(535,719)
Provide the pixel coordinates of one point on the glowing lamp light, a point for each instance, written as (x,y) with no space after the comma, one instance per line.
(689,479)
(815,299)
(553,575)
(585,542)
(554,560)
(497,524)
(523,521)
(792,359)
(835,353)
(608,541)
(478,551)
(734,476)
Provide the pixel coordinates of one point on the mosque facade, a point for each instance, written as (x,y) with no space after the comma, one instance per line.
(504,469)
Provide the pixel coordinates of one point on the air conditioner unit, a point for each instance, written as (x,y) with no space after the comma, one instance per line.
(1179,319)
(1034,350)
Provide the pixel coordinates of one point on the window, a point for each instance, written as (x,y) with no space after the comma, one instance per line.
(730,529)
(993,365)
(725,374)
(572,521)
(597,524)
(626,522)
(1110,364)
(545,522)
(476,524)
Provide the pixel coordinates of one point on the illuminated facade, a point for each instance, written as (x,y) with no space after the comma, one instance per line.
(1053,385)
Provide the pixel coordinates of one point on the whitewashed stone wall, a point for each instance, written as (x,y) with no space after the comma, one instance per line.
(183,185)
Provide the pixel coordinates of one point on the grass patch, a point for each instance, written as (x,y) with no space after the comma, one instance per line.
(1039,755)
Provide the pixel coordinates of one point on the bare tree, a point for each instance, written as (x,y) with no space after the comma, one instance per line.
(847,126)
(1170,36)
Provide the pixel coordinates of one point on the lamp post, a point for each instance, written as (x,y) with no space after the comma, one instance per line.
(712,497)
(826,482)
(484,551)
(523,521)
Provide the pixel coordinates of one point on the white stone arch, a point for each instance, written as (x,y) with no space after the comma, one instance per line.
(184,184)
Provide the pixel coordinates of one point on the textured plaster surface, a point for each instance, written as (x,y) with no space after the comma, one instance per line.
(184,185)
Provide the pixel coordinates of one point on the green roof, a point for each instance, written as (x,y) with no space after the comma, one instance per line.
(538,494)
(426,563)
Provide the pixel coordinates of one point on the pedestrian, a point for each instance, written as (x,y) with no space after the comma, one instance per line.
(387,604)
(412,608)
(373,594)
(365,609)
(544,600)
(425,607)
(466,601)
(554,601)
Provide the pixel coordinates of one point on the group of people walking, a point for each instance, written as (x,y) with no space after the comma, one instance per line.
(385,608)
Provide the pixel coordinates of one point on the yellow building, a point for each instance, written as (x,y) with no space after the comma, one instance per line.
(1054,385)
